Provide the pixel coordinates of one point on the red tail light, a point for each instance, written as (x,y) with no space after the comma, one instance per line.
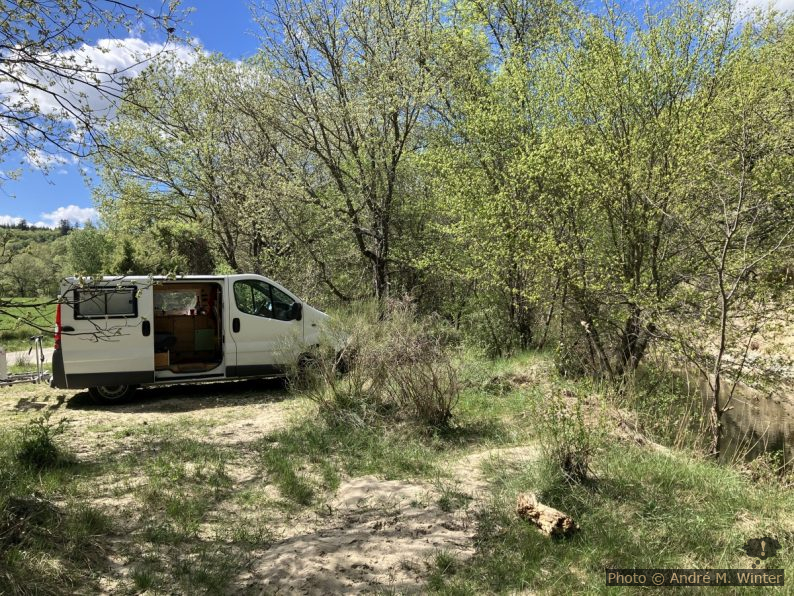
(58,327)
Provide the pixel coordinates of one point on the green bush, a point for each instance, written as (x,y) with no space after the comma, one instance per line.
(390,365)
(570,430)
(36,447)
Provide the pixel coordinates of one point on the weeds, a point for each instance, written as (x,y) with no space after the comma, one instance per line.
(444,565)
(291,484)
(395,368)
(36,446)
(306,460)
(186,526)
(46,545)
(568,439)
(646,508)
(451,499)
(769,468)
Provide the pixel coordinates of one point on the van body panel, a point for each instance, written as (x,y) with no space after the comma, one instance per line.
(255,370)
(110,335)
(109,379)
(313,322)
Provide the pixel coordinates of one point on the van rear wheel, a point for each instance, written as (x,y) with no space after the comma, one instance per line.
(111,394)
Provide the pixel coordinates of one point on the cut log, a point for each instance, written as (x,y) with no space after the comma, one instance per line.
(550,521)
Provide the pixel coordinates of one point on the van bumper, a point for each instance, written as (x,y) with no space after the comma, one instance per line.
(58,379)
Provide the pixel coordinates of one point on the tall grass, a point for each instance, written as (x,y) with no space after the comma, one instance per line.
(383,365)
(46,546)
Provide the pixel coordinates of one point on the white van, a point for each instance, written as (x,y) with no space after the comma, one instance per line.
(117,333)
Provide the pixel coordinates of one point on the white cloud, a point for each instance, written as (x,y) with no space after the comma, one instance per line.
(9,220)
(98,80)
(779,5)
(93,87)
(43,160)
(72,213)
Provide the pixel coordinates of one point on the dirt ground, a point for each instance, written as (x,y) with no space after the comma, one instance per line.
(371,535)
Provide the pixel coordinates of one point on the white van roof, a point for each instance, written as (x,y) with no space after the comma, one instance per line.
(72,282)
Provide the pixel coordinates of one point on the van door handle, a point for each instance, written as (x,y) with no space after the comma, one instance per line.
(146,328)
(67,328)
(236,325)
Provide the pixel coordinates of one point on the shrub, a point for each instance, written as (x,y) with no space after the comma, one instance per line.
(390,365)
(569,434)
(36,447)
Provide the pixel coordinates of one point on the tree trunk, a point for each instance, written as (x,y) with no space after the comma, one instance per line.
(634,341)
(550,314)
(381,279)
(715,418)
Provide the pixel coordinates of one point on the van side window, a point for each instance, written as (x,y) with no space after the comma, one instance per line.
(105,302)
(282,305)
(253,297)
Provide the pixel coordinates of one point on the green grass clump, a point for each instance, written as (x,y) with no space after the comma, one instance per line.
(185,482)
(49,541)
(643,509)
(36,446)
(307,459)
(185,479)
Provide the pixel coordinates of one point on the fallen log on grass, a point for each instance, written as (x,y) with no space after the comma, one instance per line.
(550,521)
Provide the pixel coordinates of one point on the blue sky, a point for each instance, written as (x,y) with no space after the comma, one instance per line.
(223,26)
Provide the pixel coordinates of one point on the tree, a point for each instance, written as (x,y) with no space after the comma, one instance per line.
(64,227)
(89,251)
(738,217)
(172,247)
(633,95)
(123,260)
(490,168)
(348,83)
(50,85)
(192,159)
(23,274)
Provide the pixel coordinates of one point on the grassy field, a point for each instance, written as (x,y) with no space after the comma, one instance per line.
(18,324)
(242,488)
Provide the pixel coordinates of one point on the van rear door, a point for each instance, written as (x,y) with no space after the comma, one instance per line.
(107,334)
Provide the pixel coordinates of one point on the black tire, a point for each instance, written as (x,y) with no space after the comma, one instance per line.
(111,394)
(342,362)
(300,375)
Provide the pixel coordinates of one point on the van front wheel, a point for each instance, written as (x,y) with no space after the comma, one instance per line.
(111,394)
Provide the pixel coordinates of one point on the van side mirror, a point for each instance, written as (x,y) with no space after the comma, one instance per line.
(296,312)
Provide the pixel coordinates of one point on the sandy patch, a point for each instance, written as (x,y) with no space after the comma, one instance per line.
(248,426)
(469,474)
(379,535)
